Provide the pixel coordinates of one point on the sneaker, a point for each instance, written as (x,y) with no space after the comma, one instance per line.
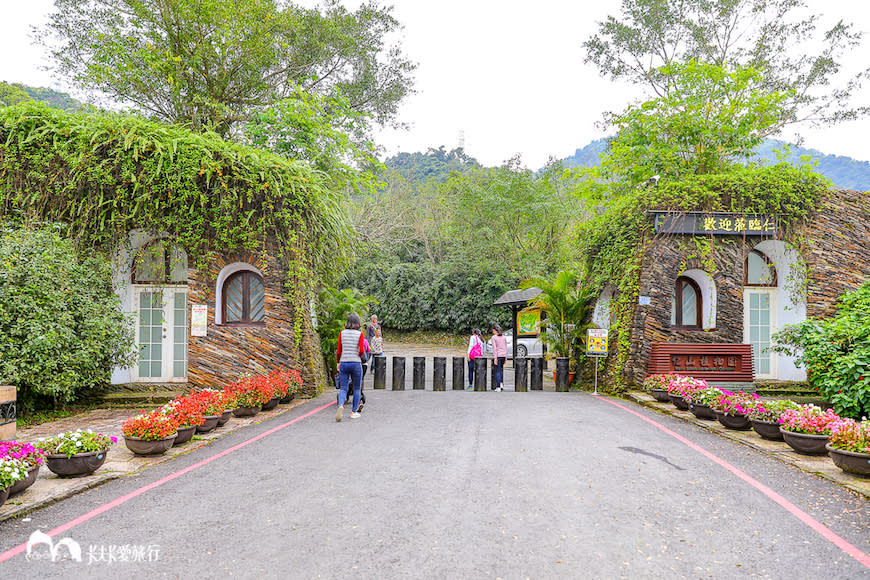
(339,413)
(355,415)
(498,389)
(360,408)
(469,387)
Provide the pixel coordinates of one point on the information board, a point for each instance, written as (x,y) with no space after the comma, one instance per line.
(596,342)
(198,320)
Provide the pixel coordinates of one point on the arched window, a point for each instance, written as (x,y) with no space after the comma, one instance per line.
(160,262)
(758,271)
(686,304)
(244,299)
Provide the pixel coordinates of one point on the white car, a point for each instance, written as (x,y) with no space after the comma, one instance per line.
(526,346)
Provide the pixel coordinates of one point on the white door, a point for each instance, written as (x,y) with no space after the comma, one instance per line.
(759,322)
(161,334)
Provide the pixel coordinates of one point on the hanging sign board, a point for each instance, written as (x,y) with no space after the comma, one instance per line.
(715,223)
(528,322)
(198,320)
(596,342)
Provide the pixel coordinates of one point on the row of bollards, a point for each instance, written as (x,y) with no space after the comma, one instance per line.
(522,378)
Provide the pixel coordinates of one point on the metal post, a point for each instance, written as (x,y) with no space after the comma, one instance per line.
(596,376)
(521,375)
(458,373)
(439,373)
(537,378)
(379,372)
(419,379)
(480,374)
(398,373)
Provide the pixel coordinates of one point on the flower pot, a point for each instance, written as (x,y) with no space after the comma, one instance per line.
(702,411)
(78,464)
(271,404)
(246,411)
(209,422)
(679,402)
(805,443)
(736,422)
(767,430)
(850,461)
(184,435)
(225,416)
(142,447)
(288,398)
(20,486)
(660,395)
(4,495)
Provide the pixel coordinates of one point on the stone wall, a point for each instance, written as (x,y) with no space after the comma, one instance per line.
(226,352)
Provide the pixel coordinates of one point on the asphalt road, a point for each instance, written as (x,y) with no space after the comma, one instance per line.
(459,485)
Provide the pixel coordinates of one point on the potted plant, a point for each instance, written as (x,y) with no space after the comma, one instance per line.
(807,429)
(76,452)
(657,386)
(12,471)
(248,395)
(294,382)
(732,409)
(679,386)
(764,417)
(849,446)
(700,400)
(566,305)
(188,413)
(211,405)
(30,455)
(149,433)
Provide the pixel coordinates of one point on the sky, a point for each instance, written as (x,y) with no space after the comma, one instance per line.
(501,77)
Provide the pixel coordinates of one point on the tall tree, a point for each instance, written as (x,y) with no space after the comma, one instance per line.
(774,37)
(210,63)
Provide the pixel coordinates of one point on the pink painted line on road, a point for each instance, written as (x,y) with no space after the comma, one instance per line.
(797,512)
(127,497)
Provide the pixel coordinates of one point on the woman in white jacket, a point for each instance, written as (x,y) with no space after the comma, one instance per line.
(476,348)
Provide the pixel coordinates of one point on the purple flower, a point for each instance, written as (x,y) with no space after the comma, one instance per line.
(114,439)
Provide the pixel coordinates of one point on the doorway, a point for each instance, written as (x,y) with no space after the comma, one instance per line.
(161,334)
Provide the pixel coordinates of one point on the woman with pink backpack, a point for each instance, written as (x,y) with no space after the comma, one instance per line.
(475,349)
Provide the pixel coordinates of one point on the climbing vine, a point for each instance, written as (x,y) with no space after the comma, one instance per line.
(615,241)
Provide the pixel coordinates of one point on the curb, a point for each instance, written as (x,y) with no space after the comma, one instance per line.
(820,465)
(80,485)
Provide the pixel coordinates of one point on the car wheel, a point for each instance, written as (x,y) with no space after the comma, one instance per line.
(522,351)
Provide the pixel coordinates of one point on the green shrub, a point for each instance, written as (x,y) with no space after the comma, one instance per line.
(836,353)
(61,325)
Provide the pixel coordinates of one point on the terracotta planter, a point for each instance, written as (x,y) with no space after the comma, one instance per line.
(184,435)
(806,444)
(702,411)
(246,411)
(225,416)
(20,486)
(78,464)
(767,430)
(679,402)
(209,423)
(142,447)
(271,404)
(660,395)
(4,495)
(850,461)
(288,398)
(736,422)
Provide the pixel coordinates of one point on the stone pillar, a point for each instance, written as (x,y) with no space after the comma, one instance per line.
(521,375)
(480,374)
(439,373)
(379,370)
(398,373)
(562,374)
(8,412)
(537,378)
(458,373)
(419,373)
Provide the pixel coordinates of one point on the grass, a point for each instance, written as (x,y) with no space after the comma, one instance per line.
(424,337)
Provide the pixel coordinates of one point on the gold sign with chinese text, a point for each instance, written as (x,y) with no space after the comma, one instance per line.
(715,223)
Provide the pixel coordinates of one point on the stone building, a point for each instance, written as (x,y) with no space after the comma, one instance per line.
(729,279)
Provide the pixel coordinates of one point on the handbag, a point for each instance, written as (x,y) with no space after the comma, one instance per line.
(475,352)
(366,354)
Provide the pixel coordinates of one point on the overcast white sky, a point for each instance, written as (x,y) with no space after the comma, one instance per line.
(508,74)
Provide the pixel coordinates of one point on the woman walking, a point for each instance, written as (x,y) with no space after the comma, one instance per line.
(475,349)
(499,355)
(349,354)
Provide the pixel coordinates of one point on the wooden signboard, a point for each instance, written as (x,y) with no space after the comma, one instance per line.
(717,362)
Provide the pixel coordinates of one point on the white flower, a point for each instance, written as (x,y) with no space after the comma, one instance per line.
(78,443)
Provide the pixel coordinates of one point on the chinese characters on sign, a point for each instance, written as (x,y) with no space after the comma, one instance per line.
(715,223)
(596,342)
(703,362)
(198,320)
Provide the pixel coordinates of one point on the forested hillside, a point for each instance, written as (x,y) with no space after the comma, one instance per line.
(14,93)
(844,172)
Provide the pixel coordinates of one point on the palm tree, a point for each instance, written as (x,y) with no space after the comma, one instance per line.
(567,305)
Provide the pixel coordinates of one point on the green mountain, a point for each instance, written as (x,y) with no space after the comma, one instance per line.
(844,172)
(435,164)
(14,93)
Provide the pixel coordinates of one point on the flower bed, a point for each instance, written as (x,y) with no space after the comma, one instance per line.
(77,441)
(30,454)
(153,426)
(738,403)
(11,472)
(808,419)
(850,435)
(770,411)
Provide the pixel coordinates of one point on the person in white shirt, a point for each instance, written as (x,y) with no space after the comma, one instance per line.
(475,349)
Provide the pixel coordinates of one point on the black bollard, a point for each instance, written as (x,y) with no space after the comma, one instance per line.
(419,376)
(480,374)
(379,372)
(398,373)
(562,374)
(537,378)
(493,383)
(458,373)
(439,373)
(521,375)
